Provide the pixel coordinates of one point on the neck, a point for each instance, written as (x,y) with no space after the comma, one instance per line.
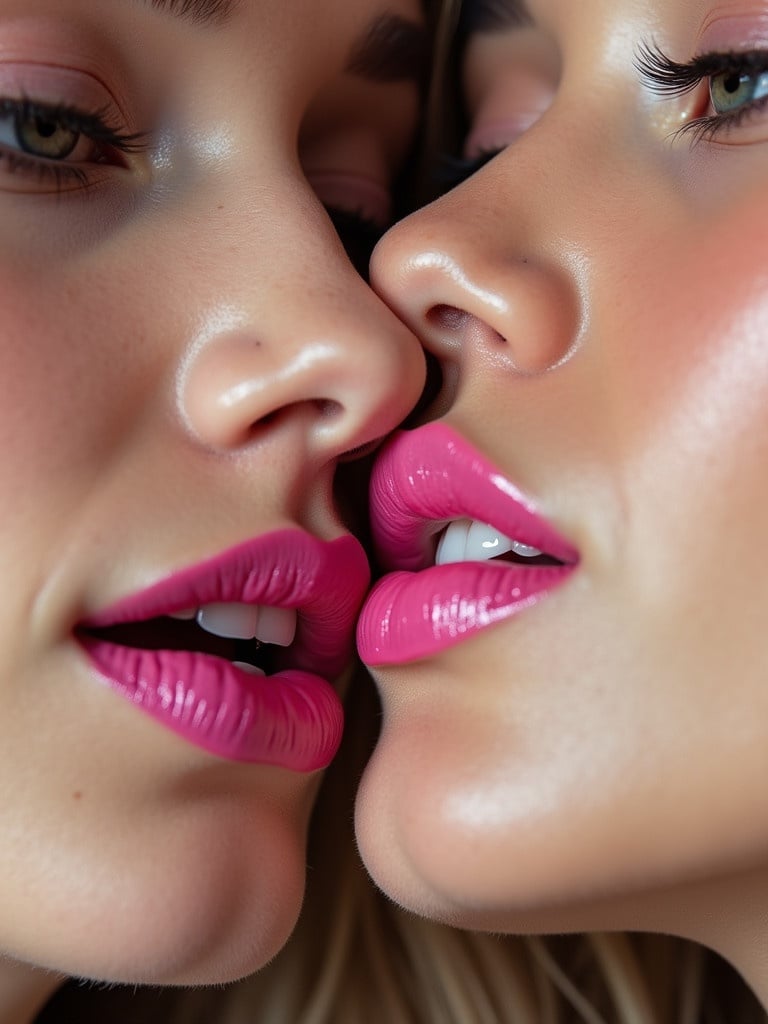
(730,916)
(24,990)
(740,933)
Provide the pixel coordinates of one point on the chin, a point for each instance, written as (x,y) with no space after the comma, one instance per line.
(209,898)
(481,867)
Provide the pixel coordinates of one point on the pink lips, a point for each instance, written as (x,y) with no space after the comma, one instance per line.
(423,480)
(292,718)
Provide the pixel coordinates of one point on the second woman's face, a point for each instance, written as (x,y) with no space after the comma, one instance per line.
(581,722)
(186,352)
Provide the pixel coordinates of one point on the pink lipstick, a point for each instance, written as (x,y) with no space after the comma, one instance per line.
(243,700)
(428,482)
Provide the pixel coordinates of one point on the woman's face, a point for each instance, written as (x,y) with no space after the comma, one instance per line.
(185,354)
(569,734)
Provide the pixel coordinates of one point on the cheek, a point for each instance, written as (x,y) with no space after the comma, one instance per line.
(685,348)
(617,742)
(689,369)
(105,825)
(60,387)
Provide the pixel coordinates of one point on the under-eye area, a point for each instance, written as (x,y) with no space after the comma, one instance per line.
(251,636)
(469,540)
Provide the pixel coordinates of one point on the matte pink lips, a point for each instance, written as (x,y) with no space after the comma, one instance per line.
(291,717)
(424,480)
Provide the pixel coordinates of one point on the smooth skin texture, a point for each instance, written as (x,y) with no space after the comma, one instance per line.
(185,353)
(597,296)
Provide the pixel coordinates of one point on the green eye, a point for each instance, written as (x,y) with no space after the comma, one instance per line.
(730,90)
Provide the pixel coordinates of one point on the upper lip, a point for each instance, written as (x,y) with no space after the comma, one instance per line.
(426,478)
(325,581)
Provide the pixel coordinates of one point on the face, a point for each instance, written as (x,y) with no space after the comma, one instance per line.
(576,715)
(187,352)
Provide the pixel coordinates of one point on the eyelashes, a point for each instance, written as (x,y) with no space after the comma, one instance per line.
(670,78)
(728,74)
(738,90)
(38,140)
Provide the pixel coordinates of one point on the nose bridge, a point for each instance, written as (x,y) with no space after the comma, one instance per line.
(495,266)
(286,328)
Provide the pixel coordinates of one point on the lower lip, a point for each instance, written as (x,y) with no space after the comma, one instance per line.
(292,719)
(411,616)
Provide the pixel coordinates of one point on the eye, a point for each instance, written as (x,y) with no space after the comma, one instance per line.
(42,142)
(731,90)
(736,90)
(42,136)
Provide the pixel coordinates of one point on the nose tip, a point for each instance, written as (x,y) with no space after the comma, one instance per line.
(470,294)
(348,387)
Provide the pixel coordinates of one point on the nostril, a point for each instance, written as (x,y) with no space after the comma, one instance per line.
(327,408)
(458,324)
(324,409)
(447,318)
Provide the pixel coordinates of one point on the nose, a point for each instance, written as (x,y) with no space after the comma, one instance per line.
(472,275)
(314,348)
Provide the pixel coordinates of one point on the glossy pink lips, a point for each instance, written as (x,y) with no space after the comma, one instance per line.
(423,480)
(292,718)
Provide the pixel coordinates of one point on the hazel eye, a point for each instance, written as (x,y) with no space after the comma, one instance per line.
(730,90)
(44,137)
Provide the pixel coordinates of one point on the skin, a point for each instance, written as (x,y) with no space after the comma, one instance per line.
(599,761)
(131,308)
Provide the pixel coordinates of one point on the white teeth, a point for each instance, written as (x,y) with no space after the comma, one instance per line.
(453,543)
(524,550)
(467,540)
(277,626)
(484,542)
(239,621)
(252,670)
(246,621)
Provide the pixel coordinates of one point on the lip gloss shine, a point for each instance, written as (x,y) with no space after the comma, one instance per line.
(422,481)
(292,718)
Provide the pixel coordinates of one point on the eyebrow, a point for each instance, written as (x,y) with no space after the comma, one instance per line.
(199,12)
(486,15)
(392,49)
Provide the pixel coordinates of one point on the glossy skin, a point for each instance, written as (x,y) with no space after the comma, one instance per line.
(597,297)
(185,353)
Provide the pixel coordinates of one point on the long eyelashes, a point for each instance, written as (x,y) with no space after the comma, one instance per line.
(94,125)
(671,78)
(106,138)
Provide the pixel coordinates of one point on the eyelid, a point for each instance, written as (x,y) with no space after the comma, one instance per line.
(355,193)
(493,136)
(733,32)
(58,86)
